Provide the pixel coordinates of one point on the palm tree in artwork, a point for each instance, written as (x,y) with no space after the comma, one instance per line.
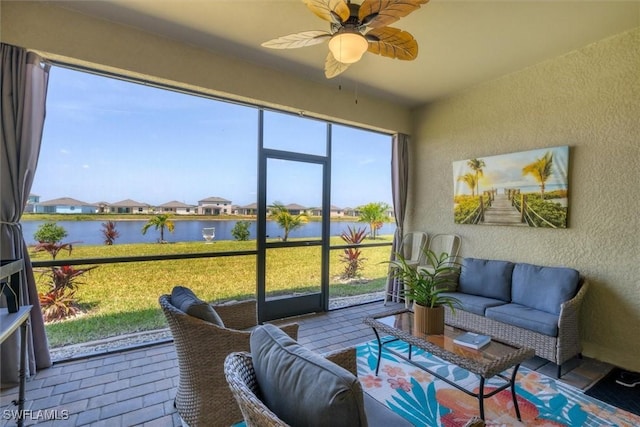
(284,218)
(541,170)
(477,166)
(471,181)
(160,222)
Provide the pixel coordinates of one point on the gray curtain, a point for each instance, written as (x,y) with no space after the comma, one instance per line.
(399,184)
(23,92)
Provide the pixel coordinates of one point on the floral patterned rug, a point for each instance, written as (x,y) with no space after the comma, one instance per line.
(427,401)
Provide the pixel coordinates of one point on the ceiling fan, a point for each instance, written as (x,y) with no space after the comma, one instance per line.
(355,29)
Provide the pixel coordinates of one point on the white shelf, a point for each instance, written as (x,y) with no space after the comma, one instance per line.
(9,322)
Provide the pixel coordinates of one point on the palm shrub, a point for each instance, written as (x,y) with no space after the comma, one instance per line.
(160,222)
(374,214)
(351,256)
(425,285)
(287,221)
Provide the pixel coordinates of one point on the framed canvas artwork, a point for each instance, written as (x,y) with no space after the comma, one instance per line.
(524,189)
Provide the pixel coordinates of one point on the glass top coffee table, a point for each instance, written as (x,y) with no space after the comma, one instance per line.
(486,362)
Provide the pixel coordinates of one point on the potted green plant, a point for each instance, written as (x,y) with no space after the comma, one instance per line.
(425,285)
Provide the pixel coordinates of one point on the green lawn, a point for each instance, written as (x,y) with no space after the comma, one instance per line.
(123,298)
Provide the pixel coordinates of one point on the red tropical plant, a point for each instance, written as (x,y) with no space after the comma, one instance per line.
(352,256)
(109,232)
(58,304)
(60,301)
(65,277)
(53,248)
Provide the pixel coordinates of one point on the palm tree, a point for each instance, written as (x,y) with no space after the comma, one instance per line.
(374,214)
(470,180)
(159,222)
(476,165)
(284,218)
(541,170)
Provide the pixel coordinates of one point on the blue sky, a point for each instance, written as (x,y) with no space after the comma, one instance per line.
(109,140)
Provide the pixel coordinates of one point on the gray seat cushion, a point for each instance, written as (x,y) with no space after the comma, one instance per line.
(473,303)
(301,387)
(186,301)
(378,415)
(486,278)
(525,317)
(543,288)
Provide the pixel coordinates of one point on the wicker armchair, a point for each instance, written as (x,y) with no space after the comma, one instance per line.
(203,397)
(238,369)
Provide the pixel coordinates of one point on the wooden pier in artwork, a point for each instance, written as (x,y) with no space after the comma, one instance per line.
(509,208)
(502,212)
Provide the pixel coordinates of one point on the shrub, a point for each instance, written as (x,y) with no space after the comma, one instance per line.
(50,232)
(550,211)
(240,231)
(464,207)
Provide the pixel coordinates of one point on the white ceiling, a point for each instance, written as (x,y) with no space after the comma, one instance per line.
(461,42)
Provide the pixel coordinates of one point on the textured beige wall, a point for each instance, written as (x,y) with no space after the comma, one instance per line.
(589,100)
(76,38)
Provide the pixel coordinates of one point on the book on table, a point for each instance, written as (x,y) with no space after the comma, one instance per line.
(469,339)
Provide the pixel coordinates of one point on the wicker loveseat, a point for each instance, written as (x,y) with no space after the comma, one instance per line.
(203,397)
(521,304)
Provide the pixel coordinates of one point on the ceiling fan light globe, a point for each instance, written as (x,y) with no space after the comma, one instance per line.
(348,48)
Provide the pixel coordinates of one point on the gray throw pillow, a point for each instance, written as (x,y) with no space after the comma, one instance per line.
(301,387)
(186,301)
(544,288)
(486,278)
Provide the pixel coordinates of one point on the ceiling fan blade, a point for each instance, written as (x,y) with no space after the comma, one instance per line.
(392,43)
(332,67)
(293,41)
(335,11)
(380,13)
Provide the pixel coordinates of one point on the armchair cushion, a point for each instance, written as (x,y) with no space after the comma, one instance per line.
(301,387)
(186,301)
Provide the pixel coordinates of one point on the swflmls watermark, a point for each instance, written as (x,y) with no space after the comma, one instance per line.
(39,415)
